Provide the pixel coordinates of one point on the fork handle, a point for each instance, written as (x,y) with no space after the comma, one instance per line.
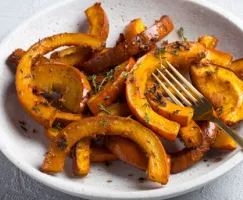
(228,130)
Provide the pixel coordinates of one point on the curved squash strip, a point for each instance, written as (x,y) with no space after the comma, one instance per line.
(222,88)
(188,53)
(237,67)
(129,48)
(223,141)
(66,80)
(98,21)
(208,41)
(35,105)
(188,157)
(127,151)
(126,127)
(191,135)
(101,154)
(81,158)
(217,57)
(164,107)
(118,109)
(134,28)
(112,90)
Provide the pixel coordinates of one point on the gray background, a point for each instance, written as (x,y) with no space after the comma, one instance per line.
(15,185)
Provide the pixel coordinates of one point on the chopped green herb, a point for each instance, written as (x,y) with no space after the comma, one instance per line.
(59,126)
(125,75)
(36,109)
(147,119)
(62,143)
(103,123)
(102,108)
(28,76)
(181,33)
(159,51)
(147,105)
(44,103)
(175,52)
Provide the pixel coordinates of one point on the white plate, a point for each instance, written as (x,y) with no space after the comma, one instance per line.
(26,150)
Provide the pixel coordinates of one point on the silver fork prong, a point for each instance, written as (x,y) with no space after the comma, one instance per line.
(188,103)
(172,96)
(186,82)
(192,98)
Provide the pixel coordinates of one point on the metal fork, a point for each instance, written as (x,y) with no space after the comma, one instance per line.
(203,110)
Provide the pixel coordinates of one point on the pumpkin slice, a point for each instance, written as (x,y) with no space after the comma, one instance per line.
(90,127)
(222,88)
(223,141)
(237,67)
(208,41)
(35,104)
(191,135)
(63,79)
(134,28)
(112,90)
(117,109)
(136,90)
(188,157)
(123,51)
(100,153)
(98,21)
(164,107)
(81,158)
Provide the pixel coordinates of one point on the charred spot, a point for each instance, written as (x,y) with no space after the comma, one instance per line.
(133,80)
(176,112)
(62,143)
(209,73)
(201,55)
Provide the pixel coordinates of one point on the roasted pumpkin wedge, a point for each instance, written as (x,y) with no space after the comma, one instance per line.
(63,79)
(122,52)
(99,153)
(81,157)
(127,151)
(134,28)
(33,104)
(217,57)
(191,135)
(223,141)
(98,21)
(117,109)
(208,41)
(188,157)
(237,67)
(136,89)
(222,88)
(112,90)
(164,107)
(90,127)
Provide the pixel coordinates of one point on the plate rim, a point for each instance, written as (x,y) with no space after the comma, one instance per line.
(87,192)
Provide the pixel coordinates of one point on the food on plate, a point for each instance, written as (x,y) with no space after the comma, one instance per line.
(222,87)
(92,126)
(100,104)
(122,52)
(187,157)
(208,41)
(107,94)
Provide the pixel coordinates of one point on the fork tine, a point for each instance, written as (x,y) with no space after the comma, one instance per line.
(167,91)
(174,88)
(192,98)
(186,82)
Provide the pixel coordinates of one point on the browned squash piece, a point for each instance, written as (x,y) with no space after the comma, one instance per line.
(63,79)
(208,41)
(223,141)
(164,107)
(122,52)
(112,90)
(191,135)
(237,67)
(134,28)
(36,105)
(117,109)
(90,127)
(222,88)
(217,57)
(98,21)
(188,157)
(187,53)
(99,153)
(81,158)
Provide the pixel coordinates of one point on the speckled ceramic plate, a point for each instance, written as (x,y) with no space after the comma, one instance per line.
(26,149)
